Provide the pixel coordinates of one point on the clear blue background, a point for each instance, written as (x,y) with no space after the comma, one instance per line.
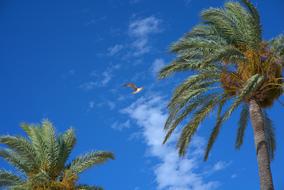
(49,50)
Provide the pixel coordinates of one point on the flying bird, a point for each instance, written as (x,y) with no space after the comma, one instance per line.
(134,87)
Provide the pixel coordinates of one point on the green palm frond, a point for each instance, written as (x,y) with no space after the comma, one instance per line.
(255,21)
(201,30)
(243,122)
(51,144)
(35,136)
(217,126)
(22,147)
(235,24)
(270,135)
(178,101)
(185,65)
(66,143)
(277,45)
(40,179)
(189,130)
(196,82)
(175,119)
(13,158)
(86,161)
(42,158)
(8,179)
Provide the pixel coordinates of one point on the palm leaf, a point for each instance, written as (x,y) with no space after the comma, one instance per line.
(9,179)
(189,130)
(22,147)
(217,126)
(243,122)
(86,161)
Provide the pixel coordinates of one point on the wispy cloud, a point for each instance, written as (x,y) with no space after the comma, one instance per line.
(220,165)
(233,176)
(140,30)
(89,85)
(95,20)
(68,74)
(100,79)
(120,126)
(138,37)
(91,104)
(144,27)
(106,77)
(157,65)
(111,105)
(172,173)
(115,49)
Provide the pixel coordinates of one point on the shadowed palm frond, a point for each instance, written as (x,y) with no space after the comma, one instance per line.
(175,119)
(8,179)
(189,129)
(217,126)
(243,122)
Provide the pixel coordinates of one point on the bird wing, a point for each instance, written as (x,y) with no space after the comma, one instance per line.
(131,85)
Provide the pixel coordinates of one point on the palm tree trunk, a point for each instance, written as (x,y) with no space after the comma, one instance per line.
(263,159)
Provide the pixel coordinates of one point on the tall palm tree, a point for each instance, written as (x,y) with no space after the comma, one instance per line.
(41,160)
(230,65)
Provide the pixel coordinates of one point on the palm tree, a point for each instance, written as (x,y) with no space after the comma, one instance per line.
(41,160)
(230,66)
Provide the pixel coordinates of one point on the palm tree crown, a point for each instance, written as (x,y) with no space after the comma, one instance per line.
(231,64)
(41,160)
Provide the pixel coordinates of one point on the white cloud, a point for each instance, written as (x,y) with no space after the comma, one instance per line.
(88,85)
(106,77)
(115,49)
(172,173)
(220,165)
(101,79)
(140,30)
(140,46)
(234,176)
(144,27)
(111,105)
(91,104)
(157,65)
(68,74)
(120,126)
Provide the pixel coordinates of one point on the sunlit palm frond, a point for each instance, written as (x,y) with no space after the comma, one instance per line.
(86,161)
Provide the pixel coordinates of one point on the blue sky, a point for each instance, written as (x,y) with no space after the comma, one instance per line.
(67,61)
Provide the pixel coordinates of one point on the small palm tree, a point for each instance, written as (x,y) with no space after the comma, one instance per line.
(41,160)
(230,66)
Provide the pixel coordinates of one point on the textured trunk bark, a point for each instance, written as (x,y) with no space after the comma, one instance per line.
(263,159)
